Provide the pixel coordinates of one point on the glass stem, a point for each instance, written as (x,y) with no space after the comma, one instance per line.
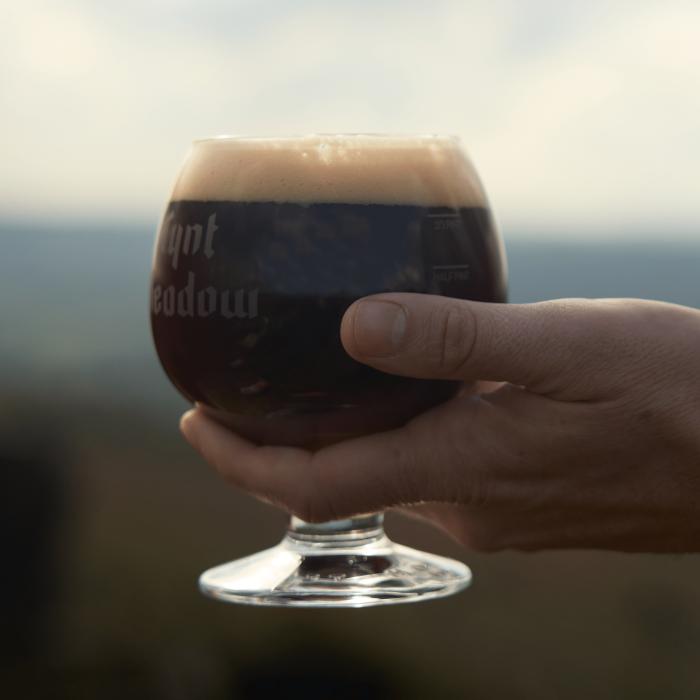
(352,532)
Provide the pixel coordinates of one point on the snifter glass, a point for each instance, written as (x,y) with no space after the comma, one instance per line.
(263,246)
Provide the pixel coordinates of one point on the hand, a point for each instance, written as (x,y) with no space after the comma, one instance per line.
(594,441)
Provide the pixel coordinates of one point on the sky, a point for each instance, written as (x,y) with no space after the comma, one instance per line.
(582,117)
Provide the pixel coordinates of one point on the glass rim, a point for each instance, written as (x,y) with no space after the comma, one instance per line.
(295,137)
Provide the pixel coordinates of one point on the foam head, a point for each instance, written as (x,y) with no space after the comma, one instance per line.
(428,170)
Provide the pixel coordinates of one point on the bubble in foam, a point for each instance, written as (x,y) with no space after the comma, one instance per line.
(354,169)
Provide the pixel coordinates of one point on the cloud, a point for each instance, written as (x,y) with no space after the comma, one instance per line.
(608,133)
(579,115)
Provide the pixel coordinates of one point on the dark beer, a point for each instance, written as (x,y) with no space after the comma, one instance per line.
(248,295)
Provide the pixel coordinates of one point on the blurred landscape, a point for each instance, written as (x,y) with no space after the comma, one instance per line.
(107,518)
(580,116)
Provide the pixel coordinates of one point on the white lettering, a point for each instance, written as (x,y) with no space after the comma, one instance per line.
(211,228)
(156,304)
(210,306)
(456,275)
(166,235)
(188,237)
(225,312)
(173,242)
(174,246)
(238,311)
(185,298)
(169,301)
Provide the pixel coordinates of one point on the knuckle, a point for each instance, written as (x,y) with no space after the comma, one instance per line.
(453,334)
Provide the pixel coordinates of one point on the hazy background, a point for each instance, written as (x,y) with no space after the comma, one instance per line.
(579,115)
(584,122)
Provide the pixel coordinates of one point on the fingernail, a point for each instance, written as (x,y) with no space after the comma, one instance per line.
(187,428)
(379,328)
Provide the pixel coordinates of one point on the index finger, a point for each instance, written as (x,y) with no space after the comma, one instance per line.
(438,456)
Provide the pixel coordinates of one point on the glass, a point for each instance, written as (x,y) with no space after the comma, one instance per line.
(263,246)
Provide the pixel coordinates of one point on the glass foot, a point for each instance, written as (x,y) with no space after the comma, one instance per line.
(347,563)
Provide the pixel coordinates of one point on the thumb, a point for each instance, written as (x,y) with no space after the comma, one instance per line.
(542,346)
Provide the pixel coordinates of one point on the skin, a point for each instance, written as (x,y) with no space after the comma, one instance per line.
(590,439)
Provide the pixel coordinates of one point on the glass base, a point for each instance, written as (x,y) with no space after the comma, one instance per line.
(346,563)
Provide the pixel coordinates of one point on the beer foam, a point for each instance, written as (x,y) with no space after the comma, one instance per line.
(428,171)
